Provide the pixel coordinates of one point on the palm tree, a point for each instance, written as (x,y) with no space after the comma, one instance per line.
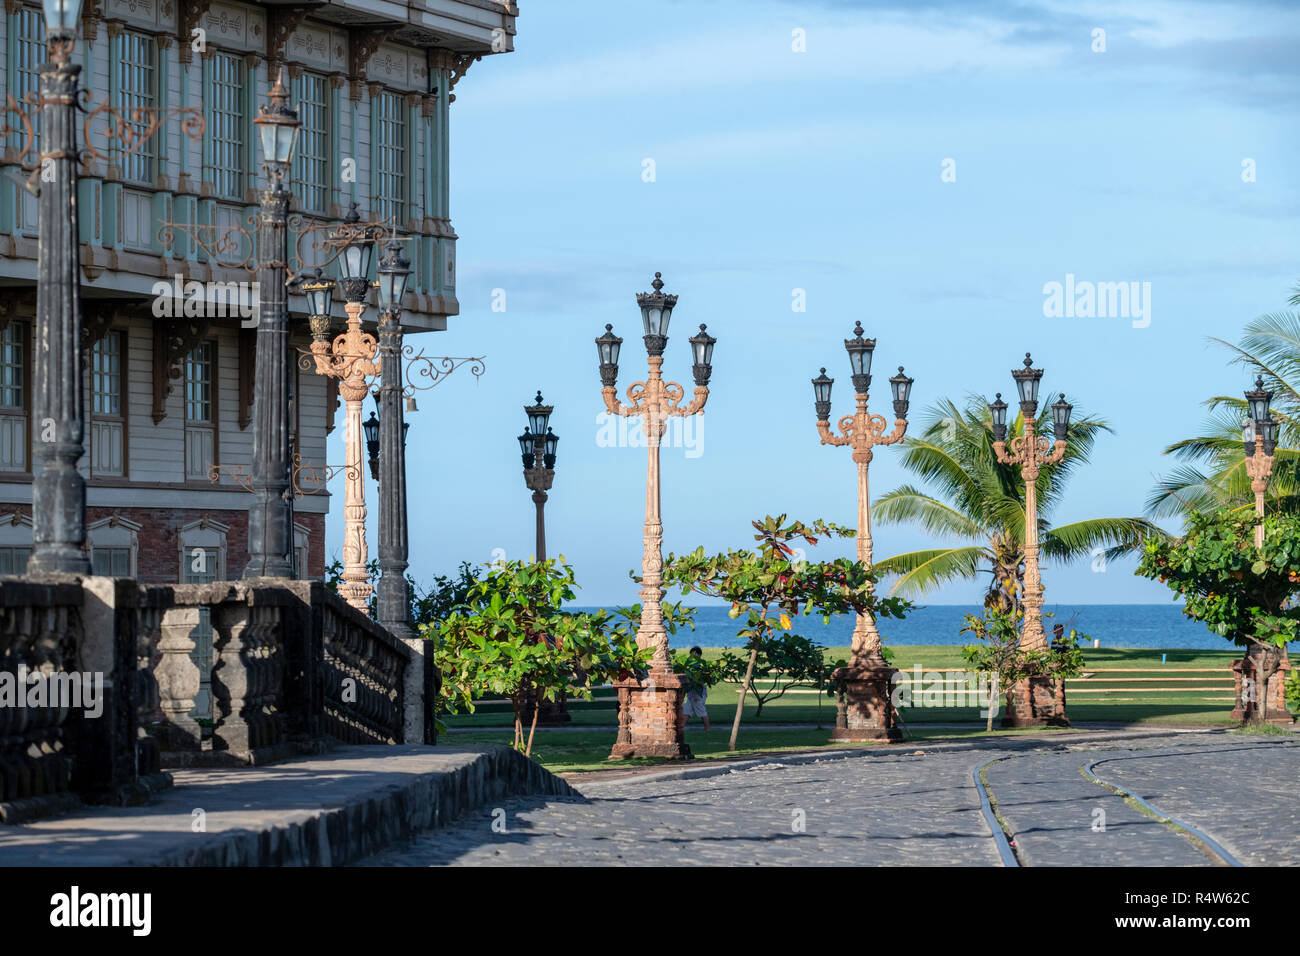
(1214,473)
(981,502)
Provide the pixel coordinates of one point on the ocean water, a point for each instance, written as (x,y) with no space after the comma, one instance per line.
(1116,625)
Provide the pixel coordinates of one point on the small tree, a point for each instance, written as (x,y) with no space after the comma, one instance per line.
(783,661)
(999,654)
(511,638)
(769,585)
(1238,591)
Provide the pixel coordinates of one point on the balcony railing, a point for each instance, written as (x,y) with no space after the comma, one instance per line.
(293,669)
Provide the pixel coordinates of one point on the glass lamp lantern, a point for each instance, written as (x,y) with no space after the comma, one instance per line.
(1027,380)
(61,17)
(355,257)
(551,441)
(656,312)
(702,352)
(860,350)
(371,427)
(1248,437)
(526,449)
(1268,435)
(394,273)
(319,291)
(1061,417)
(539,417)
(607,347)
(822,395)
(901,386)
(998,410)
(1259,399)
(278,126)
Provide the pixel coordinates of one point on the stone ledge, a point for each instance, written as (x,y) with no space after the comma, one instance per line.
(313,811)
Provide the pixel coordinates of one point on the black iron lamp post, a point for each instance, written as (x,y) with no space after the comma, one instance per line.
(270,516)
(537,445)
(58,490)
(394,604)
(371,427)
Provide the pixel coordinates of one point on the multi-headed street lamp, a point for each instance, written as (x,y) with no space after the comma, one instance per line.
(349,358)
(650,713)
(537,446)
(1036,700)
(1259,436)
(58,490)
(864,686)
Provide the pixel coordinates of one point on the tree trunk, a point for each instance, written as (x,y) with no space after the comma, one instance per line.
(744,689)
(537,709)
(1272,657)
(993,697)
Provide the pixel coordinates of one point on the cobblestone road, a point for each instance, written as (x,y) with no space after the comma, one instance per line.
(899,807)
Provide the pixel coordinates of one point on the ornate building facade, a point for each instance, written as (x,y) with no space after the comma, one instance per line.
(169,395)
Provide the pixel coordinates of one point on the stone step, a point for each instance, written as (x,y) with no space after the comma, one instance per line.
(324,810)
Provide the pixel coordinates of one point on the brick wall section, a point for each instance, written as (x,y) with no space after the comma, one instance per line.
(158,559)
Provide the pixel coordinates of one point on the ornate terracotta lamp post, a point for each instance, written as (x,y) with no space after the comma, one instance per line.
(864,686)
(537,445)
(58,490)
(1035,701)
(1260,440)
(350,359)
(650,712)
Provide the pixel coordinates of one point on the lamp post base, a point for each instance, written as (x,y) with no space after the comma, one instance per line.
(864,710)
(650,720)
(1036,702)
(1248,709)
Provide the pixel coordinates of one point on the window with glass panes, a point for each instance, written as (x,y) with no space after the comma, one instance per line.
(29,51)
(106,376)
(13,397)
(107,423)
(391,174)
(136,65)
(200,411)
(111,562)
(226,108)
(14,560)
(12,358)
(311,155)
(198,384)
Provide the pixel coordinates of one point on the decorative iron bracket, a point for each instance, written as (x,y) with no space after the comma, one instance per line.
(240,473)
(171,342)
(435,368)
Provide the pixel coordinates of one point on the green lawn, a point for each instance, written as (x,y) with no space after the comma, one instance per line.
(573,751)
(1165,696)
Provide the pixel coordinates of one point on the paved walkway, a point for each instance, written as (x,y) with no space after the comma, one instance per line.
(323,810)
(911,805)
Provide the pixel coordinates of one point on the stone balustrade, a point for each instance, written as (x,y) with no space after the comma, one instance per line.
(293,668)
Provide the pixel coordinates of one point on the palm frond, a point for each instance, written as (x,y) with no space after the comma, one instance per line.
(923,571)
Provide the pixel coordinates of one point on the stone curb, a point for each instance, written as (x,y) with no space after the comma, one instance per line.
(896,750)
(346,833)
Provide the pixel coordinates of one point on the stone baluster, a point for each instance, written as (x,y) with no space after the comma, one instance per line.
(178,681)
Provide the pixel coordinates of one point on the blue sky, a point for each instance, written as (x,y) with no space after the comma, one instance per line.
(778,170)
